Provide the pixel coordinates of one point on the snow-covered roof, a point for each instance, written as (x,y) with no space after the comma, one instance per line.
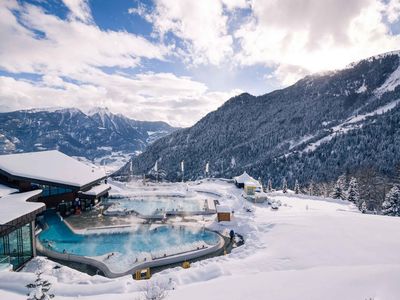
(246,179)
(6,190)
(50,166)
(14,206)
(223,209)
(97,190)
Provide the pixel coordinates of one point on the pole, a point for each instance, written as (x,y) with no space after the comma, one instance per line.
(183,170)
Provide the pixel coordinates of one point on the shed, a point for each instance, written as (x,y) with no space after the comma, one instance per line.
(223,213)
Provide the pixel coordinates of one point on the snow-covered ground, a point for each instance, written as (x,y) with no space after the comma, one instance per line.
(308,249)
(110,162)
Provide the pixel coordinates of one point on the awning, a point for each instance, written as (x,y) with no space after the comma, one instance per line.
(97,190)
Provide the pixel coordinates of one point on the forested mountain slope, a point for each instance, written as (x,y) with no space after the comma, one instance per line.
(315,130)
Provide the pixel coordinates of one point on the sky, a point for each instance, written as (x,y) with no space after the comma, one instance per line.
(177,60)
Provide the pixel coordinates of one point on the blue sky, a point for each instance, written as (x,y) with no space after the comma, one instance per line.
(177,60)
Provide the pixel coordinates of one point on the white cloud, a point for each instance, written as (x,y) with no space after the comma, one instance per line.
(69,54)
(200,25)
(393,11)
(80,10)
(306,36)
(66,46)
(293,37)
(179,101)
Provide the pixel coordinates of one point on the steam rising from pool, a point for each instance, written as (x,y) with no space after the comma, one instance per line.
(144,243)
(154,205)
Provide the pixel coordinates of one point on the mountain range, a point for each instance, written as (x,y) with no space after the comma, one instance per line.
(95,134)
(315,130)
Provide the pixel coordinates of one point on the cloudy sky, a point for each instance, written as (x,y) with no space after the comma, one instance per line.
(176,60)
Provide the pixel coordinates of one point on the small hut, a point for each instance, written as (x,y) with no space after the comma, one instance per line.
(223,213)
(241,179)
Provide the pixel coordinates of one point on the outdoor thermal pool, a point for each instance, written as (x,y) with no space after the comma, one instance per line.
(161,240)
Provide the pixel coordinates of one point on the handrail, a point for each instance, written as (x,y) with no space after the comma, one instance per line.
(167,260)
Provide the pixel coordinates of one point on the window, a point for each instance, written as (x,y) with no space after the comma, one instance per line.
(17,245)
(48,190)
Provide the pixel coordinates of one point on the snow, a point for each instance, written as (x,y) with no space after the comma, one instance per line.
(349,124)
(6,190)
(113,161)
(223,209)
(363,88)
(246,179)
(14,206)
(311,248)
(379,111)
(303,139)
(98,189)
(51,166)
(390,84)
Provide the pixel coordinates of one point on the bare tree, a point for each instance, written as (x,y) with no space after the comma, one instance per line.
(154,291)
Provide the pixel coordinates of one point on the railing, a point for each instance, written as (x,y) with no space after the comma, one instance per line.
(156,262)
(5,263)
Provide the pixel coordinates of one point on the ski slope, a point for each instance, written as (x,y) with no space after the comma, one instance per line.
(311,248)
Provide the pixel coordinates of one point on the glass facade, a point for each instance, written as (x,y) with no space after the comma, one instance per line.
(17,245)
(49,190)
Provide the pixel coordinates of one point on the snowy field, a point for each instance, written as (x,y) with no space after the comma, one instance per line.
(308,249)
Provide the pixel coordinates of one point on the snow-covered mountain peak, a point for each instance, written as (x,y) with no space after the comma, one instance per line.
(102,111)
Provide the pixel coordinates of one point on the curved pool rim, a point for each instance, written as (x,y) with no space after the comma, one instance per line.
(153,262)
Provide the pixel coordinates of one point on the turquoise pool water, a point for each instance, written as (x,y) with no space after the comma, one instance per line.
(59,237)
(154,205)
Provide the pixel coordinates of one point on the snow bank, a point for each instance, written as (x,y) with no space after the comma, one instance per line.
(311,248)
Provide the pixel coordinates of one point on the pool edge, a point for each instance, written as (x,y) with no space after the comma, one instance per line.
(172,259)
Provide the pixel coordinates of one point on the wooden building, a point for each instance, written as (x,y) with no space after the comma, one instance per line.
(224,213)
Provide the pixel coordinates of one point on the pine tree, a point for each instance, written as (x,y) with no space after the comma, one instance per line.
(363,207)
(338,190)
(390,206)
(296,187)
(269,185)
(352,194)
(39,289)
(284,185)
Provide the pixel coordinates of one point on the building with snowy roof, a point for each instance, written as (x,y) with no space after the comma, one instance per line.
(223,213)
(61,178)
(18,212)
(244,179)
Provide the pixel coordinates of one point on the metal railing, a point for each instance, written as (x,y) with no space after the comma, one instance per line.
(5,263)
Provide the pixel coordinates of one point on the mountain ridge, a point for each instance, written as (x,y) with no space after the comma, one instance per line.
(258,133)
(76,133)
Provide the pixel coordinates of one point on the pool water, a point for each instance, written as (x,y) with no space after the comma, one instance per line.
(58,237)
(154,205)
